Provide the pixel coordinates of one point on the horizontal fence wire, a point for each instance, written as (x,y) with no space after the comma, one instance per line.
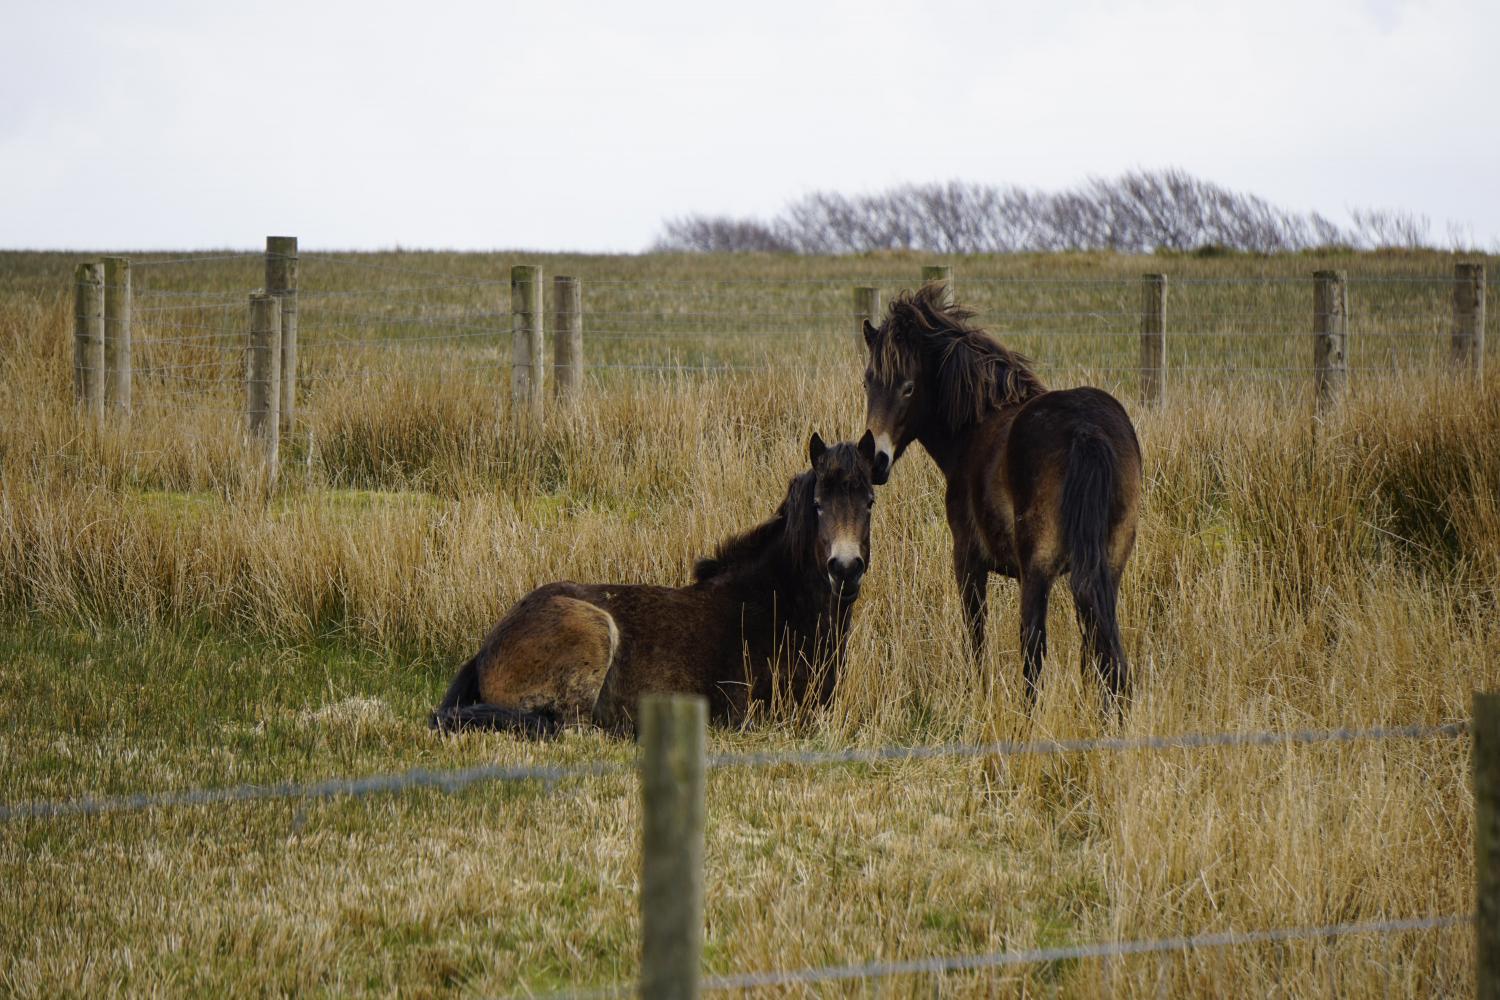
(444,277)
(940,964)
(1103,949)
(453,780)
(317,342)
(377,784)
(1024,748)
(160,261)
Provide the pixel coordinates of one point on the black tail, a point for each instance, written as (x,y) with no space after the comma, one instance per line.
(464,690)
(461,718)
(462,710)
(1088,493)
(1088,487)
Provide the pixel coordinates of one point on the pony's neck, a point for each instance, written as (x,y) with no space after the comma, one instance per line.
(785,570)
(948,448)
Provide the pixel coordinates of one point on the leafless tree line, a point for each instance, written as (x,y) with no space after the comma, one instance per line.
(1136,212)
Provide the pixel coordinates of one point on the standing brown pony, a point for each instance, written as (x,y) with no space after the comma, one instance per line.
(767,616)
(1039,483)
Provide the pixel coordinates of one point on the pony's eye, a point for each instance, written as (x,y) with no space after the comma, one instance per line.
(908,389)
(817,508)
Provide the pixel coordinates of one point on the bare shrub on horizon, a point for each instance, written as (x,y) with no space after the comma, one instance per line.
(1138,212)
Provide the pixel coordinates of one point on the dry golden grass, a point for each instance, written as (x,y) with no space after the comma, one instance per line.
(173,619)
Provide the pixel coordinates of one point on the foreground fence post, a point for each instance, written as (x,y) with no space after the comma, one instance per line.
(88,339)
(1153,337)
(943,273)
(1486,771)
(866,307)
(672,814)
(567,336)
(263,373)
(117,333)
(281,281)
(526,338)
(1330,335)
(1468,317)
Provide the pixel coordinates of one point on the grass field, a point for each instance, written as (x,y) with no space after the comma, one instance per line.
(169,618)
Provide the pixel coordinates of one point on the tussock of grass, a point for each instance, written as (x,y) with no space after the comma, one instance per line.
(173,619)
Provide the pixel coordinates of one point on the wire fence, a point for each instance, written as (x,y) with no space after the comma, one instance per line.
(361,319)
(551,776)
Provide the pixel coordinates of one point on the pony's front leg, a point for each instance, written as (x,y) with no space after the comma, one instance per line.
(973,576)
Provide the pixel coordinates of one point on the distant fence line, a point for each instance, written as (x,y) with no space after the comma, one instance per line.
(263,344)
(672,769)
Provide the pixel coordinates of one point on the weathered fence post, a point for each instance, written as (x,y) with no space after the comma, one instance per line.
(1153,337)
(1485,765)
(567,336)
(866,307)
(672,815)
(1468,317)
(281,281)
(943,273)
(117,332)
(263,373)
(526,338)
(1330,335)
(88,338)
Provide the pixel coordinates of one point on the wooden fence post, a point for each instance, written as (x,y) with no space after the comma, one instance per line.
(567,336)
(866,307)
(672,815)
(88,338)
(1485,766)
(263,373)
(117,332)
(1153,337)
(281,281)
(526,338)
(1468,317)
(1330,335)
(943,273)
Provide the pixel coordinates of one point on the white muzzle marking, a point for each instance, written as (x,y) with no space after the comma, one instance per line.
(844,551)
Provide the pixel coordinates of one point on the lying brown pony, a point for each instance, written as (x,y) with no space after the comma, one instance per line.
(768,615)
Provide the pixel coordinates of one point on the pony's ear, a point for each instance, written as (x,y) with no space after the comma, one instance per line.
(870,334)
(815,448)
(867,448)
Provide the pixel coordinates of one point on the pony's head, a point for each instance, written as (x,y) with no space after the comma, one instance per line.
(842,496)
(931,371)
(822,527)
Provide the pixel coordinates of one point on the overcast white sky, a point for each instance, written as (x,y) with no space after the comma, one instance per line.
(580,126)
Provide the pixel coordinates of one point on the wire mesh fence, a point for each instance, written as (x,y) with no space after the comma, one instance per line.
(552,776)
(366,319)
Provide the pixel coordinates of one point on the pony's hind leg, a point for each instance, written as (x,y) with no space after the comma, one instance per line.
(541,667)
(1036,585)
(1095,603)
(973,576)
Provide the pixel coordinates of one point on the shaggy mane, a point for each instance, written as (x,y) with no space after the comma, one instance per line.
(973,374)
(789,525)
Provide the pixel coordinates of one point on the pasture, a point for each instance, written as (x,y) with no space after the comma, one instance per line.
(170,618)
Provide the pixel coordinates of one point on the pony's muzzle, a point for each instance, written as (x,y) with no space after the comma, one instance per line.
(880,474)
(845,574)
